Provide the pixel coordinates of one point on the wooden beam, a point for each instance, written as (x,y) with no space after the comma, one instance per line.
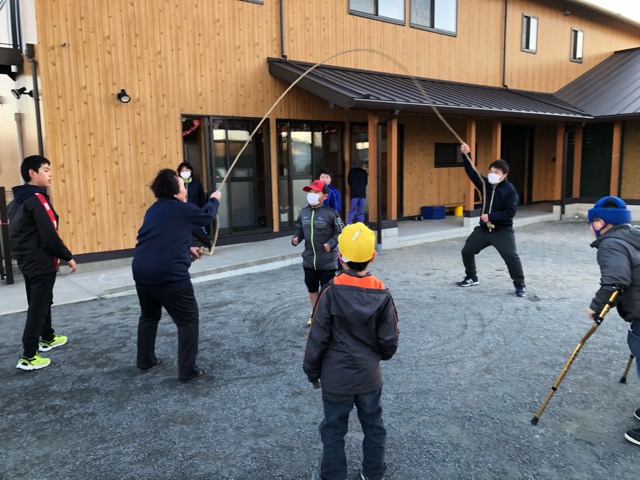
(273,154)
(615,159)
(557,176)
(577,161)
(392,169)
(471,141)
(372,195)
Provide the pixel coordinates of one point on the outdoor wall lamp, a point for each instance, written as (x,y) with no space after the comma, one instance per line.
(18,92)
(123,96)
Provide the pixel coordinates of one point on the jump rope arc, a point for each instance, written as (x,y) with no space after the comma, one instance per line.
(311,69)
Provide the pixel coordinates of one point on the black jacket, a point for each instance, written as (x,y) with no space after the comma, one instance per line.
(33,237)
(195,193)
(500,202)
(357,179)
(317,226)
(354,326)
(619,260)
(161,258)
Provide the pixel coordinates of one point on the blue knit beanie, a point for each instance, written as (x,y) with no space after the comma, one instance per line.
(614,213)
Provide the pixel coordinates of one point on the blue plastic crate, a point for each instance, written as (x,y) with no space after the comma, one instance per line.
(432,212)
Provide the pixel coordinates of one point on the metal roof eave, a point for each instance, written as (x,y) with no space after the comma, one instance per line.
(348,99)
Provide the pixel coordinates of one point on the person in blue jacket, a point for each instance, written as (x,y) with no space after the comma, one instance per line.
(161,262)
(333,200)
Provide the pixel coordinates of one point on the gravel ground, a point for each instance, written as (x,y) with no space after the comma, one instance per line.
(473,366)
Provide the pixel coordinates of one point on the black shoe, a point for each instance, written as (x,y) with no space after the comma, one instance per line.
(637,413)
(156,363)
(469,281)
(198,373)
(521,290)
(633,436)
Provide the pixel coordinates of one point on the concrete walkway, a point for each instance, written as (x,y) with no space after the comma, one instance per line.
(108,279)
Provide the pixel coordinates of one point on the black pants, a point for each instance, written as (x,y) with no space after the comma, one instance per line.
(504,241)
(40,298)
(182,306)
(201,235)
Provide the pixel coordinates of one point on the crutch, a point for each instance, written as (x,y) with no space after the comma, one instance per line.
(597,321)
(626,370)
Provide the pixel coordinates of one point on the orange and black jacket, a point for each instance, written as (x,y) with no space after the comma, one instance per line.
(354,326)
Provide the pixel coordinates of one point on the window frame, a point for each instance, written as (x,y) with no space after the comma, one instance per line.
(526,34)
(575,33)
(459,160)
(433,28)
(378,17)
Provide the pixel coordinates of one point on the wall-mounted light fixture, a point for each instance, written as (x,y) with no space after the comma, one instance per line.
(18,92)
(123,96)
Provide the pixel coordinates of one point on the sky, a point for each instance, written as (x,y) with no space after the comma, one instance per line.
(628,8)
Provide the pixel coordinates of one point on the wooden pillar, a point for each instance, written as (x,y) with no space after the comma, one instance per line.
(372,195)
(557,176)
(577,161)
(346,149)
(496,143)
(273,150)
(392,169)
(471,141)
(615,159)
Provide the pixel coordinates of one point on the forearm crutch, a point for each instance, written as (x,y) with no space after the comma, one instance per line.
(626,370)
(597,321)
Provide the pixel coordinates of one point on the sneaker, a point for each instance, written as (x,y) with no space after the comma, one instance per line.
(521,290)
(58,340)
(637,413)
(468,281)
(198,372)
(633,436)
(156,363)
(34,363)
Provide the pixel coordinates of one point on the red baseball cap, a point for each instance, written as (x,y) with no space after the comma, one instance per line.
(316,185)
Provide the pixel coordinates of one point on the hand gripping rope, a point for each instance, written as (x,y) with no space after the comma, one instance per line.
(597,321)
(419,86)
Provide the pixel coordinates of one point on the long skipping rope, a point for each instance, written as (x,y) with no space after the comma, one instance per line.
(311,69)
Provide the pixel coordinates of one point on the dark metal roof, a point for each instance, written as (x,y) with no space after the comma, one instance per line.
(367,90)
(610,89)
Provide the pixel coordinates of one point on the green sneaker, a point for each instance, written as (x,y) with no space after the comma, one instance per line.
(57,341)
(34,363)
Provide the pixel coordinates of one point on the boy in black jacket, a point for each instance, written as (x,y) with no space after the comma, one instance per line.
(33,227)
(318,227)
(618,245)
(496,223)
(355,325)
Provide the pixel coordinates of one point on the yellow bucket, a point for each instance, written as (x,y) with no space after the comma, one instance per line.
(458,211)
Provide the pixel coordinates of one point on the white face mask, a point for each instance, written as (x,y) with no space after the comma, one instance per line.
(313,198)
(493,178)
(186,174)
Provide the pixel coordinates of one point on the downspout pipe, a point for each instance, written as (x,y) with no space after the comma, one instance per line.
(504,47)
(30,53)
(282,50)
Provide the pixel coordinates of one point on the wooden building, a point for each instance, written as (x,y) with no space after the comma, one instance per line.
(201,76)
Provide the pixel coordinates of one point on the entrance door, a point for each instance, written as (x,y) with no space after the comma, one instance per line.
(246,197)
(517,150)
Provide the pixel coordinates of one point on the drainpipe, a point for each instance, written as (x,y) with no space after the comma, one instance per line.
(30,53)
(504,48)
(282,51)
(18,118)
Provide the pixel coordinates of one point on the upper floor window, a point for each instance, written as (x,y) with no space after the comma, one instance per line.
(434,14)
(529,34)
(389,10)
(577,44)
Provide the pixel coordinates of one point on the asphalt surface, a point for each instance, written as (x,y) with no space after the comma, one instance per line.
(473,366)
